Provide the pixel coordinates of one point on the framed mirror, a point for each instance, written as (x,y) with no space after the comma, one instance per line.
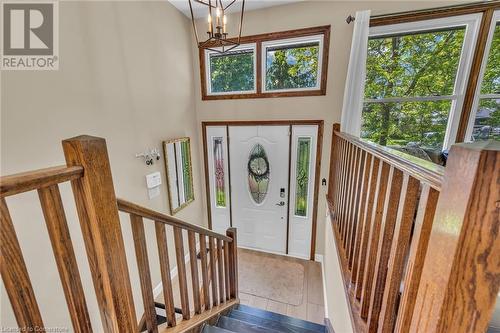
(179,172)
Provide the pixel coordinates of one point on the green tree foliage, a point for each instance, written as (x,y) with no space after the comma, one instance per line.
(423,64)
(232,72)
(491,80)
(291,68)
(491,85)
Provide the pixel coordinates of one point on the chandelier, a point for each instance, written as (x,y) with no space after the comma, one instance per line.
(217,25)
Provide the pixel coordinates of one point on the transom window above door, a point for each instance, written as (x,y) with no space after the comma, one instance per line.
(231,72)
(281,64)
(416,75)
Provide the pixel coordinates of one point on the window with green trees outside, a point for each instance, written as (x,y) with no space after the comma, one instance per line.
(232,71)
(487,118)
(292,66)
(409,88)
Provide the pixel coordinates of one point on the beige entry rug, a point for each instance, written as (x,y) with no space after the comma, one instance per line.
(267,276)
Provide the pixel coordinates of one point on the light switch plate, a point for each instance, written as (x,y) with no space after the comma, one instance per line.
(153,180)
(153,192)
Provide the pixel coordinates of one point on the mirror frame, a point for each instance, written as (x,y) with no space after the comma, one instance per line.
(169,181)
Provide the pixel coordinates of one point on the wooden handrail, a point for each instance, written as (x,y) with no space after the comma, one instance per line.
(418,168)
(32,180)
(132,208)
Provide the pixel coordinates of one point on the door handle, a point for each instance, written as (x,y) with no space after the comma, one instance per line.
(281,203)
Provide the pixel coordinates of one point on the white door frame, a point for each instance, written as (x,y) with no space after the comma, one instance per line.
(316,165)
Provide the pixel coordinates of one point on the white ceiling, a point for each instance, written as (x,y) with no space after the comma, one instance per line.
(200,10)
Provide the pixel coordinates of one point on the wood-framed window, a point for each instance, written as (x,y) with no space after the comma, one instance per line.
(280,64)
(415,78)
(466,124)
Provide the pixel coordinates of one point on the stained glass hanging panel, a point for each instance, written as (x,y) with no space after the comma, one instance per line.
(302,176)
(220,190)
(258,173)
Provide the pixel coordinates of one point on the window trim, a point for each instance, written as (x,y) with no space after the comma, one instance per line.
(484,62)
(258,40)
(472,23)
(292,42)
(242,47)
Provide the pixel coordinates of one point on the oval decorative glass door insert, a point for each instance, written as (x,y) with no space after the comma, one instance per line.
(258,173)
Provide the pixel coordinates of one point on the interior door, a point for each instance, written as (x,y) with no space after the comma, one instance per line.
(259,158)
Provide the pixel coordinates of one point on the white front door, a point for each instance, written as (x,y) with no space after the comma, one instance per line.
(259,157)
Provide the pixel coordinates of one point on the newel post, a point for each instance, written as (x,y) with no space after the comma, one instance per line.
(98,213)
(233,259)
(461,274)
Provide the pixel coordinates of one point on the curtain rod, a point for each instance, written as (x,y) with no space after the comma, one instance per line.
(351,18)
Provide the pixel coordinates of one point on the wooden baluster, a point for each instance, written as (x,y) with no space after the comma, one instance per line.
(343,175)
(60,239)
(220,266)
(387,223)
(460,278)
(226,270)
(193,261)
(181,272)
(399,249)
(340,178)
(336,180)
(356,207)
(333,163)
(352,204)
(418,248)
(367,225)
(345,190)
(141,254)
(371,255)
(98,214)
(233,261)
(204,271)
(168,295)
(347,200)
(213,270)
(368,167)
(15,276)
(343,171)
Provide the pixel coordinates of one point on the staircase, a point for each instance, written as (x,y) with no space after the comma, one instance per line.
(246,319)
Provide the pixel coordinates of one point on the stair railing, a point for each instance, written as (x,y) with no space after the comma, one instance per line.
(413,237)
(89,172)
(218,272)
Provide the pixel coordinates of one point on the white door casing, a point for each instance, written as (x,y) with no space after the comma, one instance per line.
(260,225)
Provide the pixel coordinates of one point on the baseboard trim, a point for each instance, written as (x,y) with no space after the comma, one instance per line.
(329,326)
(319,258)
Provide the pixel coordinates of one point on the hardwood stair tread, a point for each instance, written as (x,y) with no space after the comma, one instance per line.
(236,325)
(270,323)
(281,318)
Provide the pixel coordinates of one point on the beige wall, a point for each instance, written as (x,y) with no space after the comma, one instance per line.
(328,108)
(125,75)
